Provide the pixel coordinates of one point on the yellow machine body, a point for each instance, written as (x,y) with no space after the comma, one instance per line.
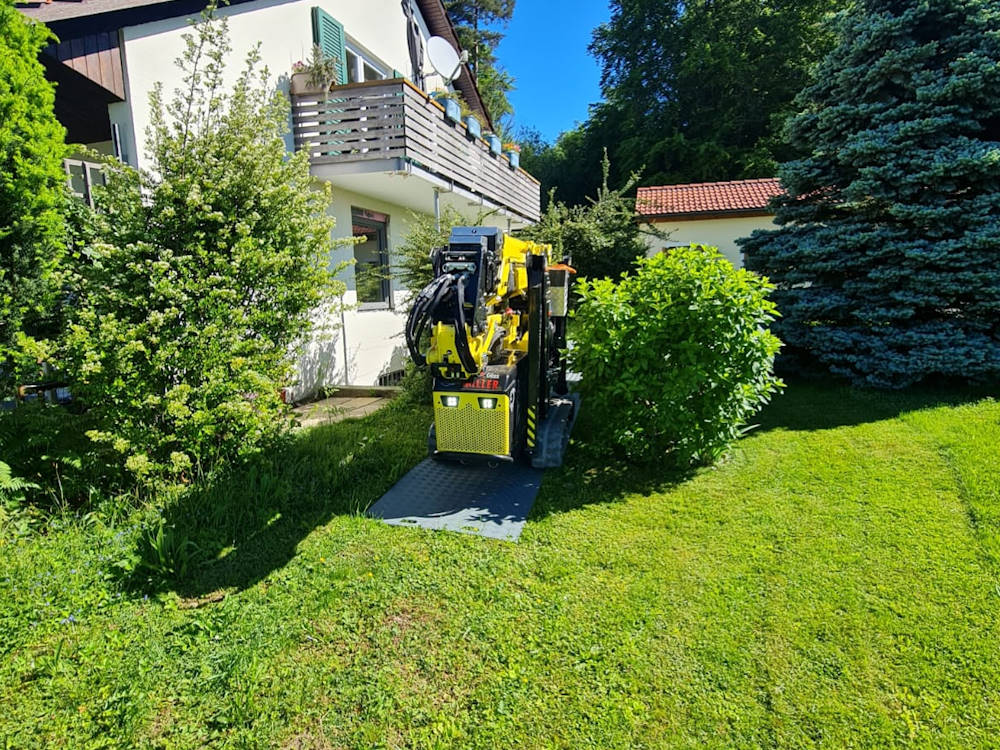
(501,321)
(464,425)
(495,347)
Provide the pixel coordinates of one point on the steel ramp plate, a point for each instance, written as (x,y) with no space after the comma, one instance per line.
(470,498)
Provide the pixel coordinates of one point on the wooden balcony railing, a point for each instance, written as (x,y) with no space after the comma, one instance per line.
(393,120)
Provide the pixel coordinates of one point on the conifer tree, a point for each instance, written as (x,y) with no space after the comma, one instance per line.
(887,259)
(32,188)
(478,24)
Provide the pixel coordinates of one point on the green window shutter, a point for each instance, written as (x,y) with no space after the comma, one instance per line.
(328,33)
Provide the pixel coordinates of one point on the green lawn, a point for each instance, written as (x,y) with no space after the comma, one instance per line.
(835,582)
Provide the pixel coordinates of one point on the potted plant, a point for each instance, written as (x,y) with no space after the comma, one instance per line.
(513,153)
(448,100)
(473,121)
(496,144)
(473,125)
(315,76)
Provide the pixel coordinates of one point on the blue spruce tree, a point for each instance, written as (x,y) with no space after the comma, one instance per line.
(887,255)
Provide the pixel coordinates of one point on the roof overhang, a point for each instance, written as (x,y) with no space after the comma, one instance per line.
(702,215)
(440,24)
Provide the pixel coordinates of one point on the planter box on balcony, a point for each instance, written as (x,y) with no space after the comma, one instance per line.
(451,110)
(473,128)
(496,145)
(299,85)
(514,157)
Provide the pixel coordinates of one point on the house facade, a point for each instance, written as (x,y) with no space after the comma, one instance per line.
(707,213)
(387,148)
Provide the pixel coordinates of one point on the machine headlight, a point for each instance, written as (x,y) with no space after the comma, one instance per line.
(449,400)
(487,403)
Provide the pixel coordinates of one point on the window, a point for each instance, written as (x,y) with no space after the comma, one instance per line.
(363,66)
(371,267)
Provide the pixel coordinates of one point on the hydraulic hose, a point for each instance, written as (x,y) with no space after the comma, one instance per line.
(461,339)
(430,298)
(423,307)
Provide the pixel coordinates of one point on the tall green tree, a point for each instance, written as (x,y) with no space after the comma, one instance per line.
(32,188)
(479,24)
(697,88)
(888,257)
(693,91)
(602,237)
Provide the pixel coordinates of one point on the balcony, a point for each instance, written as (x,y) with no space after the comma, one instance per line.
(392,128)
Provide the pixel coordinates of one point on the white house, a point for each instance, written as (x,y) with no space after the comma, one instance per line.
(387,149)
(707,213)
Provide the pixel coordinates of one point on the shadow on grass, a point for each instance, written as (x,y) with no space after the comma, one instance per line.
(245,525)
(249,523)
(807,405)
(593,474)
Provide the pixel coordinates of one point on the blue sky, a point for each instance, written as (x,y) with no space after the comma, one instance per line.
(545,49)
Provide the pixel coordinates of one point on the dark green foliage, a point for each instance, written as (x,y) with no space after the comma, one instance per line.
(199,277)
(602,236)
(478,24)
(566,166)
(47,445)
(693,91)
(888,260)
(676,357)
(412,259)
(32,193)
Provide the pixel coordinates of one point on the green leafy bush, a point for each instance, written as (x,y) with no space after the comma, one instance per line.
(602,237)
(676,357)
(32,189)
(200,277)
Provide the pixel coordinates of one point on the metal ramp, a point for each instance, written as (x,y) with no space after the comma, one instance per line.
(490,501)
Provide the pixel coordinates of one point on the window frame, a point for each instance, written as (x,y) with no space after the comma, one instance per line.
(363,57)
(380,226)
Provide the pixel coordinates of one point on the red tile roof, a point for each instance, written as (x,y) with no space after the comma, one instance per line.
(737,196)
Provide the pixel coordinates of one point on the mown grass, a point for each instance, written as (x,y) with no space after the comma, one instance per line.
(835,582)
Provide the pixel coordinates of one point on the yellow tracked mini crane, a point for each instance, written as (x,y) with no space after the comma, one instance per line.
(496,315)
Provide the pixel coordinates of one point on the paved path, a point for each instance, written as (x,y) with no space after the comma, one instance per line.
(336,408)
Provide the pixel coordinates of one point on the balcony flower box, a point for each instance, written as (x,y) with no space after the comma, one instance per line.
(473,127)
(299,84)
(496,145)
(514,157)
(452,110)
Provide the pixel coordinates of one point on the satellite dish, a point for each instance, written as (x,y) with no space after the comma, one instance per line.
(444,58)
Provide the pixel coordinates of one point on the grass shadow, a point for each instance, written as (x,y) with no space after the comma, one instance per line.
(808,405)
(249,522)
(594,474)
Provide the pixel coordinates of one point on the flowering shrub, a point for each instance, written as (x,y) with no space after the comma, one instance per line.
(199,277)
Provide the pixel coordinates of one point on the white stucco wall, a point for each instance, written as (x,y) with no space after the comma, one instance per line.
(284,30)
(721,233)
(373,338)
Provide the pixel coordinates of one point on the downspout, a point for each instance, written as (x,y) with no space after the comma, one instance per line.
(343,337)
